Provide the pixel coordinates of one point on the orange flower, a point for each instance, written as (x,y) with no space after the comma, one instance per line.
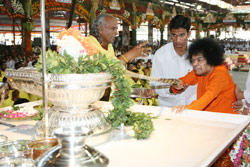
(85,42)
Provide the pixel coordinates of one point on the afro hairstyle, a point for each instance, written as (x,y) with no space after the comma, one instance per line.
(210,50)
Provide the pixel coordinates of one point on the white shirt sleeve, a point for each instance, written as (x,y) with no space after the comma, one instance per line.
(157,71)
(247,91)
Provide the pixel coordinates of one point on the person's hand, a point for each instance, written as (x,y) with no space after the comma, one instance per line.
(178,109)
(135,52)
(180,88)
(237,105)
(245,111)
(148,92)
(238,93)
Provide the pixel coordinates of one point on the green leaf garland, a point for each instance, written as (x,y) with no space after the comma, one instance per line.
(65,64)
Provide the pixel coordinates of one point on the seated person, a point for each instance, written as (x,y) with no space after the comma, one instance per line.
(21,101)
(19,97)
(215,91)
(134,82)
(130,66)
(7,101)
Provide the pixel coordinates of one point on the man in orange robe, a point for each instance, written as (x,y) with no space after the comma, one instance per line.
(215,91)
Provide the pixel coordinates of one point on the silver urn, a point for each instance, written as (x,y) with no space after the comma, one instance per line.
(72,96)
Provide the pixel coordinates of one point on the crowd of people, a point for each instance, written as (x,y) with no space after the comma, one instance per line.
(233,45)
(9,60)
(172,60)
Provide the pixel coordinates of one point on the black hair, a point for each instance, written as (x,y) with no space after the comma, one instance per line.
(135,71)
(210,50)
(20,101)
(4,79)
(180,21)
(130,63)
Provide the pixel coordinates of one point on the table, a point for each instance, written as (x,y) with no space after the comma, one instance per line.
(192,138)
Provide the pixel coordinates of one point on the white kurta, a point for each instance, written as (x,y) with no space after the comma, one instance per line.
(10,64)
(247,91)
(168,64)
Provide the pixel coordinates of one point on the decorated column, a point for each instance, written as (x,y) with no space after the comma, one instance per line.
(47,30)
(27,27)
(163,16)
(133,33)
(150,33)
(94,7)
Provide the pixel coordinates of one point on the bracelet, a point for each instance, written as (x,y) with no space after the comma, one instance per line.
(124,58)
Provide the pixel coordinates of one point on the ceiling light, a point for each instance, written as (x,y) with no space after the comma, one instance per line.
(182,6)
(174,0)
(198,7)
(170,3)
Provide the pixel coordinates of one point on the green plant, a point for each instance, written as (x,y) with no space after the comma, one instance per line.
(65,64)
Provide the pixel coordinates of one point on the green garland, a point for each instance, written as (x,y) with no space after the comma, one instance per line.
(142,123)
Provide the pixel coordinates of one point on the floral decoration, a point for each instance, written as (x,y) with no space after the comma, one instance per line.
(17,7)
(240,153)
(126,14)
(75,44)
(16,112)
(52,5)
(103,11)
(150,18)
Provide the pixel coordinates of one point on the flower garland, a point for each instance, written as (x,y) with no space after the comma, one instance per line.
(240,153)
(126,14)
(57,6)
(152,19)
(15,112)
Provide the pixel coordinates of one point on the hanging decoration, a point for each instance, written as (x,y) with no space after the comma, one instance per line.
(117,9)
(152,19)
(209,18)
(192,17)
(150,11)
(174,13)
(247,18)
(157,15)
(229,18)
(17,7)
(114,5)
(52,5)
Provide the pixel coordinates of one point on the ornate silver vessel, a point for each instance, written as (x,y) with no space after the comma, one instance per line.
(71,96)
(72,150)
(3,87)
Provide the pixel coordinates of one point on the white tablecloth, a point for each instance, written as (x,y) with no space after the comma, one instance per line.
(193,138)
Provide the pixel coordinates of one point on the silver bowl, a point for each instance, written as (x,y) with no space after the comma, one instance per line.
(14,149)
(3,139)
(17,162)
(72,150)
(93,119)
(65,91)
(71,95)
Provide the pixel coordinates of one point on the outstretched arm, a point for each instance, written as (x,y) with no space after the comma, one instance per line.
(133,53)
